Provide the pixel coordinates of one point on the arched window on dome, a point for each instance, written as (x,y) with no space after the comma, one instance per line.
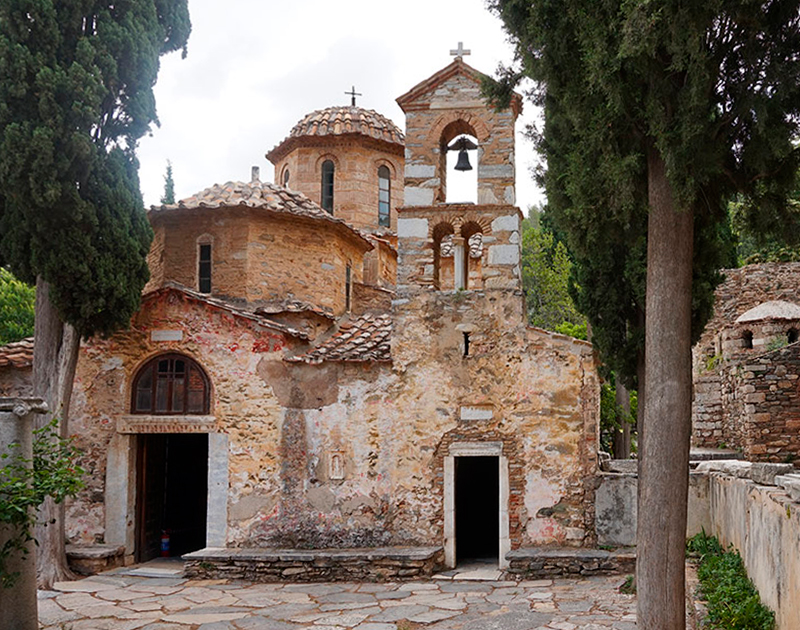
(326,198)
(384,196)
(170,384)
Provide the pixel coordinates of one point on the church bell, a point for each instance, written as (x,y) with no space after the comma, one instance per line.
(462,145)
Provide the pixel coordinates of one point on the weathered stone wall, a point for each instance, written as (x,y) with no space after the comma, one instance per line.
(720,408)
(355,191)
(763,524)
(447,105)
(351,455)
(256,256)
(764,405)
(243,407)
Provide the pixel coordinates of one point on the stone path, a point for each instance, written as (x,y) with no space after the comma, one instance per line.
(119,601)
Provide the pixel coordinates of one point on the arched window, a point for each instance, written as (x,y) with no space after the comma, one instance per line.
(384,196)
(747,340)
(170,384)
(326,198)
(792,336)
(286,178)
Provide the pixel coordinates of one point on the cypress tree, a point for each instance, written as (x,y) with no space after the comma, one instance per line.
(169,186)
(656,113)
(76,95)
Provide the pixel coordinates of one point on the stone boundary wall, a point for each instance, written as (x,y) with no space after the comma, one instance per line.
(315,565)
(708,426)
(763,523)
(539,563)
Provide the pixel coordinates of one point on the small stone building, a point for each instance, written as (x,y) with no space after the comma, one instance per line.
(747,365)
(341,359)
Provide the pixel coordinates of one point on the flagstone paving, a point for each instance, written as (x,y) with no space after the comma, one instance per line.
(116,601)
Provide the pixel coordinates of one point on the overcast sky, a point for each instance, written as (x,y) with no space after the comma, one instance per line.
(256,67)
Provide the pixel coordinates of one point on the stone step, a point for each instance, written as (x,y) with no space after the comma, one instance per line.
(547,562)
(314,565)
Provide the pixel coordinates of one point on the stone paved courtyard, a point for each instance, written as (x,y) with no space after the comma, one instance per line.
(122,601)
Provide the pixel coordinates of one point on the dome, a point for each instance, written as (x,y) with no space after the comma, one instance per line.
(346,120)
(775,309)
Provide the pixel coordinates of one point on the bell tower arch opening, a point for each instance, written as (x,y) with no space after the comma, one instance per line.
(459,154)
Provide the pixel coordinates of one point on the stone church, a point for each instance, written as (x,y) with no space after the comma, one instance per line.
(340,359)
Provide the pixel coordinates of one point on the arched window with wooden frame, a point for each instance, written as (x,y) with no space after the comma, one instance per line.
(170,384)
(384,196)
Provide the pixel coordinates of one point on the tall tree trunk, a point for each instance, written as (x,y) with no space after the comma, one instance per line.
(622,436)
(664,447)
(55,356)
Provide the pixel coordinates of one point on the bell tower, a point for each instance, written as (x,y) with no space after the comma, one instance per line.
(454,246)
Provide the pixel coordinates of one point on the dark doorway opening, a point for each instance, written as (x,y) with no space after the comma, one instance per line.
(477,486)
(172,491)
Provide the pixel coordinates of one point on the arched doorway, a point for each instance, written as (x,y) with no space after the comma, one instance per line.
(171,467)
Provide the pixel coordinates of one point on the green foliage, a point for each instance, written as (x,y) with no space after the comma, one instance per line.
(711,88)
(628,587)
(579,331)
(776,343)
(24,485)
(16,308)
(733,601)
(76,95)
(545,278)
(612,415)
(169,186)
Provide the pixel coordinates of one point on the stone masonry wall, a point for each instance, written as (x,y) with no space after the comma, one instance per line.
(257,256)
(355,191)
(718,407)
(15,382)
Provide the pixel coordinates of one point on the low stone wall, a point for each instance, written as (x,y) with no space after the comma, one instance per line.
(317,565)
(615,508)
(543,562)
(763,523)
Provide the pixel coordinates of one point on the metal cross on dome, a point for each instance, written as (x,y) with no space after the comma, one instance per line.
(353,95)
(460,52)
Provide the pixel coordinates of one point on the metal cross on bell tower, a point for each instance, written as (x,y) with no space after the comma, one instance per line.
(460,52)
(353,95)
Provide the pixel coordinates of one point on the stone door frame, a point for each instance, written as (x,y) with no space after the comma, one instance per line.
(121,484)
(474,449)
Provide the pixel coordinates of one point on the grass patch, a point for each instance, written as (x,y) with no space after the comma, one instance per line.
(733,601)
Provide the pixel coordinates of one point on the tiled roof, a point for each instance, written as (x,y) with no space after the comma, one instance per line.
(365,339)
(340,121)
(18,354)
(293,306)
(257,194)
(240,310)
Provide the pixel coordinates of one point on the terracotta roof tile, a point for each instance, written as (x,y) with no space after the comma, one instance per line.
(18,354)
(257,194)
(337,121)
(364,340)
(343,120)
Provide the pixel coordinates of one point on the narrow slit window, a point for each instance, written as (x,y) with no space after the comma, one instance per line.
(326,198)
(747,340)
(466,344)
(792,336)
(204,268)
(286,178)
(348,286)
(384,196)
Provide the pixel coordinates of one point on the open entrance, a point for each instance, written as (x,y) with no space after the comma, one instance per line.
(172,493)
(477,508)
